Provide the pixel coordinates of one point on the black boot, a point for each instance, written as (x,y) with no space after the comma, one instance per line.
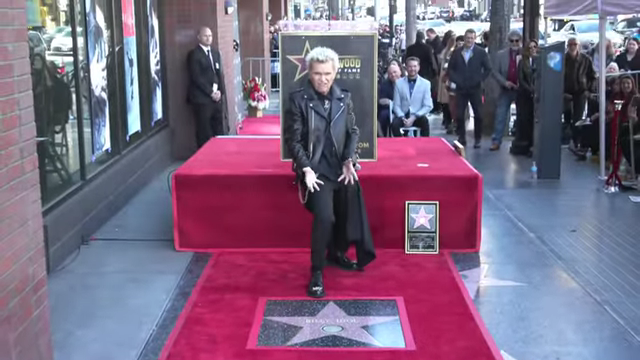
(342,261)
(316,285)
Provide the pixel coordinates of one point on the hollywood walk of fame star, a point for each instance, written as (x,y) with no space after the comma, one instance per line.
(421,219)
(332,320)
(300,61)
(476,278)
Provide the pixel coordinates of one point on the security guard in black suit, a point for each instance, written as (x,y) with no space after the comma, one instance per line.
(206,88)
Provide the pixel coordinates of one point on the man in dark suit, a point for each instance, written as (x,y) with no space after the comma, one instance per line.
(424,52)
(385,98)
(206,88)
(468,67)
(433,39)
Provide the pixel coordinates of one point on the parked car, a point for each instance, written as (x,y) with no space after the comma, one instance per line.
(467,15)
(50,35)
(587,33)
(627,27)
(446,15)
(439,25)
(432,13)
(36,44)
(63,43)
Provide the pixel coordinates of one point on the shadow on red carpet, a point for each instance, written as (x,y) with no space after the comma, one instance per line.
(266,125)
(217,320)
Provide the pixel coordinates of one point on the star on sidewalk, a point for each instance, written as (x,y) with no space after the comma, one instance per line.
(300,61)
(332,320)
(477,277)
(421,219)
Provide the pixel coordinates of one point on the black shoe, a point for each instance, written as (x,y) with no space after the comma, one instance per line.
(316,285)
(343,262)
(476,145)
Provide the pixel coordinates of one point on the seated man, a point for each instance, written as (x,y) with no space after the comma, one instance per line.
(412,100)
(385,96)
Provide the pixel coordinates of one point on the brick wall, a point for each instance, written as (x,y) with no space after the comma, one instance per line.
(24,313)
(277,10)
(254,39)
(223,39)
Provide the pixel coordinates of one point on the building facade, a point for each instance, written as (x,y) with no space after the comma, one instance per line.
(92,107)
(99,110)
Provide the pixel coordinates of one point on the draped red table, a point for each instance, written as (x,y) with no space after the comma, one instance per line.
(236,193)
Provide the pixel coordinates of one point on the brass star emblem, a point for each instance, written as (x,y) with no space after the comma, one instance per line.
(300,61)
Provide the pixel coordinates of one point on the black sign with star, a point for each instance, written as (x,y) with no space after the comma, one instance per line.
(357,73)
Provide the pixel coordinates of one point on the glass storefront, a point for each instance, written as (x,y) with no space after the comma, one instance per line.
(97,85)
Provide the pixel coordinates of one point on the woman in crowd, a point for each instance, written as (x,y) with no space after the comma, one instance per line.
(449,42)
(629,60)
(524,101)
(459,42)
(628,118)
(594,53)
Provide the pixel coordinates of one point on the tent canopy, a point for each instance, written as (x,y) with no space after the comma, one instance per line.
(560,8)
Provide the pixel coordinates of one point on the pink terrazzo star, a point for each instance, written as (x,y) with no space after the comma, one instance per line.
(421,219)
(333,321)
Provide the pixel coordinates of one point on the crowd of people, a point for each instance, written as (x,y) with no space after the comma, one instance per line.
(456,67)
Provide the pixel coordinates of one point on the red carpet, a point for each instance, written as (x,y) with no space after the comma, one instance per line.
(266,125)
(217,321)
(236,193)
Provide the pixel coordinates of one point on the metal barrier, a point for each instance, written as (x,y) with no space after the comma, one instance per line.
(263,66)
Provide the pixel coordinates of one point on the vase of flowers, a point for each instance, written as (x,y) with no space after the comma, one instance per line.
(255,94)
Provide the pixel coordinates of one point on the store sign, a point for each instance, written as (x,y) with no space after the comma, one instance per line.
(33,13)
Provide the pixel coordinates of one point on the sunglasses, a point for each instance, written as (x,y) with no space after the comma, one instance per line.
(514,41)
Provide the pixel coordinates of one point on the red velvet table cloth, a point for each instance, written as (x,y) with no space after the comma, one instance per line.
(236,193)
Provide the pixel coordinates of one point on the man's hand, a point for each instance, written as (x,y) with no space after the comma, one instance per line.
(511,85)
(311,180)
(385,102)
(216,95)
(348,173)
(409,121)
(568,96)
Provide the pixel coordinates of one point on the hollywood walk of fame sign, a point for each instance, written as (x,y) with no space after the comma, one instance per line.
(340,323)
(357,73)
(422,227)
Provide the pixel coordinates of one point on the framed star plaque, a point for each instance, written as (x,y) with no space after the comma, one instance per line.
(422,227)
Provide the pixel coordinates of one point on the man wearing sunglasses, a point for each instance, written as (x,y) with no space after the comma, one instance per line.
(505,71)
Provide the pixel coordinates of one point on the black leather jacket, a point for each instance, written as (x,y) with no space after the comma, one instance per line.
(305,112)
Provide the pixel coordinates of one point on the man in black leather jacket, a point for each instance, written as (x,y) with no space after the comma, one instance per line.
(321,135)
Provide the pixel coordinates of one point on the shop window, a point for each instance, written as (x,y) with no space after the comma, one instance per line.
(54,97)
(97,84)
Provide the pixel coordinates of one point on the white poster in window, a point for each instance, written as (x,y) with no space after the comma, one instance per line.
(98,51)
(130,67)
(154,58)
